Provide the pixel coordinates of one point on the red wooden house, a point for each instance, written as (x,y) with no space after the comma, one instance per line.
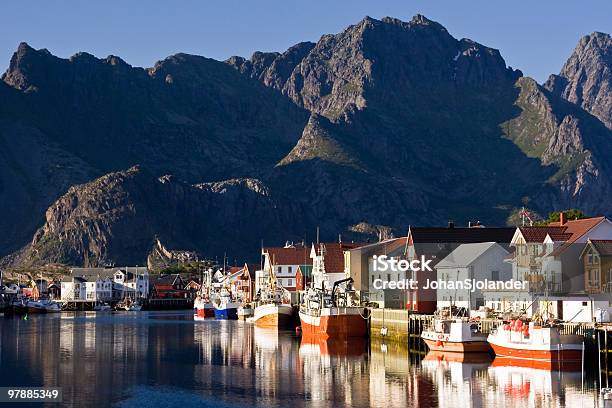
(170,287)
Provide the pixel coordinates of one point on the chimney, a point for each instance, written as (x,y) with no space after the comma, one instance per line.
(562,219)
(451,224)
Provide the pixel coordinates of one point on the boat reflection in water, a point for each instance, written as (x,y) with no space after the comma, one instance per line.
(519,380)
(478,380)
(167,358)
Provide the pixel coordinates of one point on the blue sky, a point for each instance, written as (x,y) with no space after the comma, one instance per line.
(536,37)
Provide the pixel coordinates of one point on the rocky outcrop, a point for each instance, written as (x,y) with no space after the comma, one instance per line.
(570,142)
(119,217)
(318,142)
(586,77)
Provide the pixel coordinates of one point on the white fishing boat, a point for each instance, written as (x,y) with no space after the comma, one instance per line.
(133,307)
(245,311)
(453,333)
(274,307)
(225,306)
(42,306)
(102,307)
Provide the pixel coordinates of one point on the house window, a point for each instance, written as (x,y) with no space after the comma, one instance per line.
(279,270)
(495,275)
(289,269)
(595,275)
(584,303)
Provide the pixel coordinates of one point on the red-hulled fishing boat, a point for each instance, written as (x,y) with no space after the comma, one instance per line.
(542,345)
(334,314)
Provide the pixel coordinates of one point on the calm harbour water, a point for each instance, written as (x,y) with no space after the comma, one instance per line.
(168,359)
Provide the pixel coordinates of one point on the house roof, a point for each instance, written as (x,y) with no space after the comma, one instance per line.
(603,246)
(578,228)
(466,254)
(538,234)
(560,236)
(460,234)
(251,268)
(234,269)
(333,255)
(293,255)
(167,279)
(93,274)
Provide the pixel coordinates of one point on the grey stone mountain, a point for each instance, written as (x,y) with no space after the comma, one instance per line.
(367,131)
(586,77)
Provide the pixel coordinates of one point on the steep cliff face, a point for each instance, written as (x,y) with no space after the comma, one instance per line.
(586,77)
(572,143)
(117,218)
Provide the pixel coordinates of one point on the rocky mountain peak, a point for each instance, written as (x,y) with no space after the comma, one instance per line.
(27,67)
(586,77)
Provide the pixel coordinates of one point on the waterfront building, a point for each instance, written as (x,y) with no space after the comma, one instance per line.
(284,263)
(557,262)
(478,261)
(105,284)
(171,286)
(245,282)
(328,262)
(435,243)
(193,287)
(358,264)
(597,263)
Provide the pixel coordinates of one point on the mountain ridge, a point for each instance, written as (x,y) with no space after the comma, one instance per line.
(383,125)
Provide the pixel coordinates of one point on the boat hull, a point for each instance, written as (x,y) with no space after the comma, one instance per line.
(271,315)
(226,314)
(244,314)
(458,347)
(334,323)
(36,310)
(205,312)
(544,355)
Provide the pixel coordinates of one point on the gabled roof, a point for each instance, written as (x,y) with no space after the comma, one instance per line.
(251,268)
(93,274)
(466,254)
(579,228)
(433,235)
(602,246)
(333,255)
(538,234)
(568,233)
(168,279)
(559,236)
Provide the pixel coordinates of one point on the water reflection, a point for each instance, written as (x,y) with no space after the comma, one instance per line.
(142,359)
